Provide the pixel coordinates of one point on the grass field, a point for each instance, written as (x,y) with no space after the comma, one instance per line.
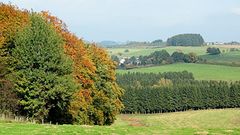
(200,71)
(146,51)
(202,122)
(225,58)
(229,58)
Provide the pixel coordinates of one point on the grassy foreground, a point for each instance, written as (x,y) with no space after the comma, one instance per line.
(200,71)
(224,121)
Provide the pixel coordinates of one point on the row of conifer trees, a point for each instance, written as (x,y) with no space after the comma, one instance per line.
(169,92)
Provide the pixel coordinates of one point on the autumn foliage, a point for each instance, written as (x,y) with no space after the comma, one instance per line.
(11,20)
(97,97)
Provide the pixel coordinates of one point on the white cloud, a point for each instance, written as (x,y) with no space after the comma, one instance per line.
(141,19)
(236,11)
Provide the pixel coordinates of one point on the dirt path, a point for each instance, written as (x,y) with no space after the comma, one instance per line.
(133,121)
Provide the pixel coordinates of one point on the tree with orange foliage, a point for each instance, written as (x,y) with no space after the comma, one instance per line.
(106,91)
(99,99)
(12,20)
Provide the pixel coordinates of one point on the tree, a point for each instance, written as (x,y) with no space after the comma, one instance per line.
(157,41)
(98,100)
(163,83)
(115,58)
(107,94)
(12,20)
(133,60)
(178,56)
(56,76)
(186,40)
(159,57)
(42,74)
(126,51)
(213,51)
(176,91)
(193,57)
(8,99)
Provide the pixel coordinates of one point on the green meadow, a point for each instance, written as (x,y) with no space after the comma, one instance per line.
(202,122)
(53,82)
(199,50)
(227,58)
(147,51)
(200,71)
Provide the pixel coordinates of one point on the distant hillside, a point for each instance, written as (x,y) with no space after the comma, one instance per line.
(133,44)
(108,43)
(156,43)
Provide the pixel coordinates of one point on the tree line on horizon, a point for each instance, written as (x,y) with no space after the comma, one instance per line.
(176,40)
(161,57)
(49,74)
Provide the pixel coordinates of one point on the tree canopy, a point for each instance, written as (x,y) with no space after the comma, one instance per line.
(175,91)
(213,51)
(53,74)
(186,40)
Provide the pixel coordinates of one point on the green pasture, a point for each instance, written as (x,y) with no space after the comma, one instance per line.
(228,58)
(200,71)
(147,51)
(202,122)
(200,50)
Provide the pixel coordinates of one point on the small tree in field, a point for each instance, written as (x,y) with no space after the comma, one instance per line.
(213,50)
(126,51)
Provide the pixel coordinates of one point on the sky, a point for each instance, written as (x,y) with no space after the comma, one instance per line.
(143,20)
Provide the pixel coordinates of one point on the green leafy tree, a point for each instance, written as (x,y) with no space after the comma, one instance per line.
(213,51)
(186,40)
(106,94)
(115,58)
(158,41)
(8,99)
(42,73)
(159,57)
(192,57)
(178,56)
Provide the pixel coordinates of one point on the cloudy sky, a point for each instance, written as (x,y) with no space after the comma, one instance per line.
(143,20)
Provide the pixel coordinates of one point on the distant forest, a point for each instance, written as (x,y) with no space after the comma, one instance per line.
(186,40)
(161,57)
(177,40)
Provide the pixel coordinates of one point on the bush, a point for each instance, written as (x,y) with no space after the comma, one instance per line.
(213,51)
(126,50)
(178,56)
